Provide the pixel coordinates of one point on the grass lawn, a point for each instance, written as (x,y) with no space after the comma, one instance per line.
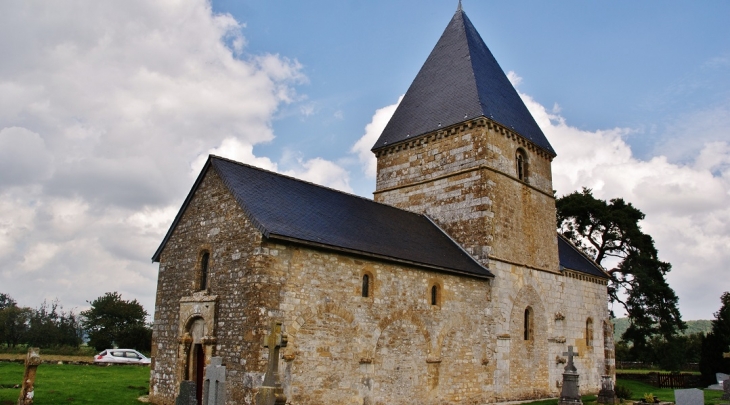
(77,384)
(665,394)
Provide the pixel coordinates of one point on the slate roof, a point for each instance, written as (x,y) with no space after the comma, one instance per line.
(460,81)
(573,259)
(282,207)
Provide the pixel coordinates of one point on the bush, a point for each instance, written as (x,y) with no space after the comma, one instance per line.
(623,392)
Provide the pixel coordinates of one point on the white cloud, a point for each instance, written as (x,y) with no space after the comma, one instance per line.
(322,172)
(104,107)
(687,205)
(372,133)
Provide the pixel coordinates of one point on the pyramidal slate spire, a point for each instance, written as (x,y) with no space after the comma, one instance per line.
(460,81)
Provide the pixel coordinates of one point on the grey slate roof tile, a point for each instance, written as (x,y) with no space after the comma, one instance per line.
(460,81)
(573,259)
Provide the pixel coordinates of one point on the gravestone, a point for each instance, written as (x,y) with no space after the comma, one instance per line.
(691,396)
(27,390)
(570,394)
(726,389)
(271,393)
(721,377)
(607,394)
(187,395)
(214,383)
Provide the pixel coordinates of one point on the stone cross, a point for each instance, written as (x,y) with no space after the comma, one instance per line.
(570,353)
(271,393)
(214,383)
(275,340)
(570,393)
(32,360)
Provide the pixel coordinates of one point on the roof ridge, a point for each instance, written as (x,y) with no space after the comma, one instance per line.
(211,156)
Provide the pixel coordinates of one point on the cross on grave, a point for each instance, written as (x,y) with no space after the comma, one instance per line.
(570,393)
(570,353)
(275,340)
(271,393)
(214,383)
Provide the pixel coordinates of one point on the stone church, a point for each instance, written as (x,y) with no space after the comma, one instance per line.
(450,287)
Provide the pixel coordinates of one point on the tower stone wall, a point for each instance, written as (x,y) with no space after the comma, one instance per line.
(465,178)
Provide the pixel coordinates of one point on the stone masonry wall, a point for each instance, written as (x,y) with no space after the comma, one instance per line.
(465,179)
(214,222)
(561,304)
(392,347)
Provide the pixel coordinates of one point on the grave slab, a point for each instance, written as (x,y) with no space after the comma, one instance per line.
(691,396)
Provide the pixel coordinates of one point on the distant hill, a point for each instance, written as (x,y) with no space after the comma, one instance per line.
(701,325)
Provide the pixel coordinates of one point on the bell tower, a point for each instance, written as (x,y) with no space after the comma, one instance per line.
(463,149)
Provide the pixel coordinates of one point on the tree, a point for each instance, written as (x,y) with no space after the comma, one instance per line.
(50,326)
(611,229)
(13,321)
(113,320)
(716,343)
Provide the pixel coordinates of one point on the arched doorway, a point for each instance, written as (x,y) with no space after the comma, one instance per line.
(195,359)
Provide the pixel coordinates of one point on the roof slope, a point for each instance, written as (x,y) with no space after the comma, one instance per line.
(286,208)
(573,259)
(460,81)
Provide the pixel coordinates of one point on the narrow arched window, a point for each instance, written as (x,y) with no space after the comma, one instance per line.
(204,270)
(434,295)
(521,161)
(528,323)
(366,285)
(589,332)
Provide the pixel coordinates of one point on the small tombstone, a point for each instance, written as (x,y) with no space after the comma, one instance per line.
(721,377)
(691,396)
(607,394)
(188,393)
(271,393)
(27,390)
(214,383)
(570,393)
(726,389)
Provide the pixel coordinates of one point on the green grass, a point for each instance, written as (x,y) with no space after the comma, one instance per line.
(665,394)
(77,384)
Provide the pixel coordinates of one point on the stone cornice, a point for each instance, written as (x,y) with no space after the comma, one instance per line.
(461,127)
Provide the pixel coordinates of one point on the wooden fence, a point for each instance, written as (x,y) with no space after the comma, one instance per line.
(664,380)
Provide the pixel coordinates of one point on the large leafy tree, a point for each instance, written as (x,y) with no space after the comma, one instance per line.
(610,233)
(113,320)
(716,343)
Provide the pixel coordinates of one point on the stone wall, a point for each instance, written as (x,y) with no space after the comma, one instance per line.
(392,347)
(465,178)
(242,293)
(561,305)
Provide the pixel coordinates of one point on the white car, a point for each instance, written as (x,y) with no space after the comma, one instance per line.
(121,356)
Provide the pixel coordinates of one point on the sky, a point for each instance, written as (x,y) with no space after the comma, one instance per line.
(108,110)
